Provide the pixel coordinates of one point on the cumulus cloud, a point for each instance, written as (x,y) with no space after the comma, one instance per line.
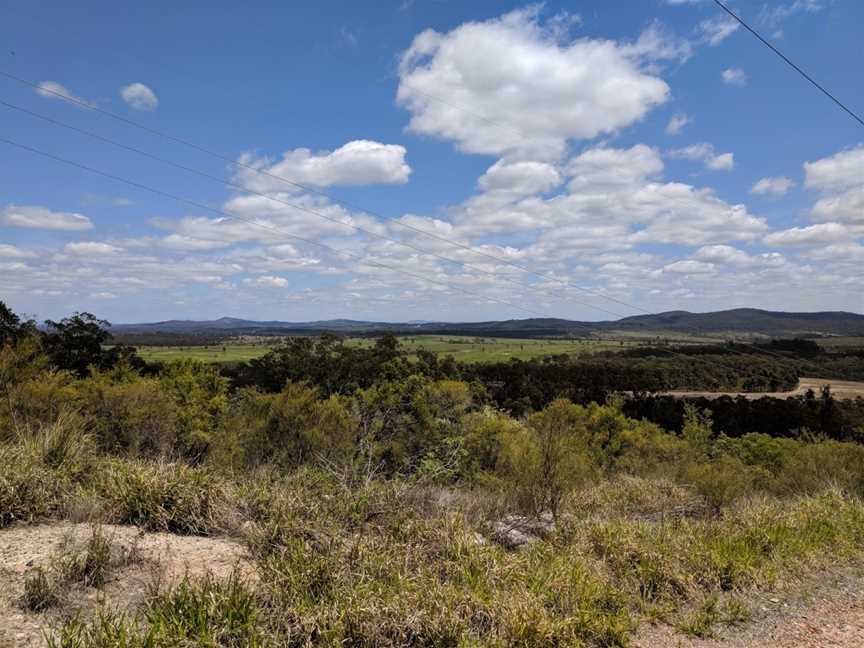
(139,97)
(36,217)
(677,123)
(54,90)
(705,153)
(360,162)
(773,186)
(604,167)
(267,281)
(510,85)
(840,178)
(615,199)
(734,76)
(520,177)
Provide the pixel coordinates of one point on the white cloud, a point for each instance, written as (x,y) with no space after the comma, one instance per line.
(267,281)
(734,76)
(690,267)
(677,123)
(509,85)
(87,248)
(813,235)
(139,97)
(35,217)
(840,178)
(773,17)
(726,255)
(774,186)
(715,30)
(705,153)
(13,252)
(51,90)
(360,162)
(840,171)
(104,294)
(520,177)
(603,167)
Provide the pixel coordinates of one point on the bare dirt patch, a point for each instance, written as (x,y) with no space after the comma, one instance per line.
(840,389)
(161,560)
(824,611)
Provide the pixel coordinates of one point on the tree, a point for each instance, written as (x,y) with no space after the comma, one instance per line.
(12,328)
(75,343)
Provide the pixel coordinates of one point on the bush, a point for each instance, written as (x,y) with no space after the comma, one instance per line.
(130,415)
(548,458)
(162,496)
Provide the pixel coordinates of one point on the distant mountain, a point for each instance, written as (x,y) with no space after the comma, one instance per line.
(739,321)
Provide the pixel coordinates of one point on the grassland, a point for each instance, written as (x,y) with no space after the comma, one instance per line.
(464,349)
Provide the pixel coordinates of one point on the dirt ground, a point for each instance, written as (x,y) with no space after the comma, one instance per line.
(825,611)
(840,389)
(161,559)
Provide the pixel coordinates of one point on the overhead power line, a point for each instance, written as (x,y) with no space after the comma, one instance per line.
(193,203)
(338,252)
(292,205)
(249,167)
(547,276)
(790,62)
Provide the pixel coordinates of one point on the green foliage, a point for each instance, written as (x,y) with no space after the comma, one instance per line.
(200,395)
(130,414)
(548,458)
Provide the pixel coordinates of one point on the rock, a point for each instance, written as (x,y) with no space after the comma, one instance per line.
(515,531)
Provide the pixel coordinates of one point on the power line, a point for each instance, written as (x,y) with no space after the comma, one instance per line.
(296,206)
(255,223)
(238,164)
(192,145)
(337,251)
(790,62)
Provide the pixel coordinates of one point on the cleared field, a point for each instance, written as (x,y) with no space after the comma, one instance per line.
(465,349)
(840,389)
(213,353)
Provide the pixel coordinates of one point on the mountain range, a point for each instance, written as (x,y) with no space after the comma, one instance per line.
(738,321)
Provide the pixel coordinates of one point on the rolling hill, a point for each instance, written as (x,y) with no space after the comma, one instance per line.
(739,321)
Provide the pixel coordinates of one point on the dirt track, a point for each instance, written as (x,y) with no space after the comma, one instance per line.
(840,389)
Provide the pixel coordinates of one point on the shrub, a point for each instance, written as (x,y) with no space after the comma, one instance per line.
(200,395)
(720,481)
(548,458)
(130,414)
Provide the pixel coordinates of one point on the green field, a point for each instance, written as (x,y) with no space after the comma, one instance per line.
(465,349)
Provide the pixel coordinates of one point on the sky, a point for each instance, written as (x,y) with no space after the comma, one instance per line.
(428,159)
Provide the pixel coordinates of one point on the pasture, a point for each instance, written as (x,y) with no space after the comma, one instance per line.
(463,348)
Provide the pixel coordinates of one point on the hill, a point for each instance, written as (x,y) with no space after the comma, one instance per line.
(740,320)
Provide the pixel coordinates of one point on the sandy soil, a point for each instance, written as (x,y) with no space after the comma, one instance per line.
(840,389)
(162,559)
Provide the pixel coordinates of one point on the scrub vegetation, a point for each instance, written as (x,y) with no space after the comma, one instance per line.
(391,501)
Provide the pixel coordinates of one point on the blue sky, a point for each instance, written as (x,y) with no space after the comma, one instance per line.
(636,156)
